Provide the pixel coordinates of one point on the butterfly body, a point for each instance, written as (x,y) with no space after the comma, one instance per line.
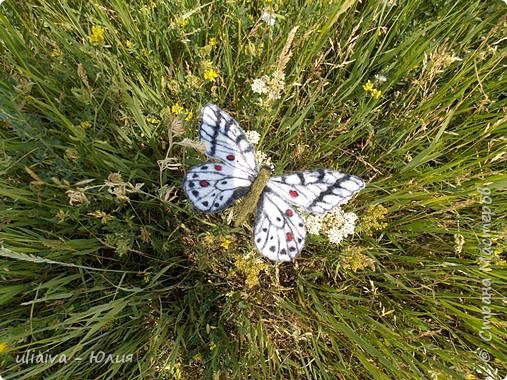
(279,231)
(249,203)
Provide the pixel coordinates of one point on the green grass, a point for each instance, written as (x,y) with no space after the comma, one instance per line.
(146,275)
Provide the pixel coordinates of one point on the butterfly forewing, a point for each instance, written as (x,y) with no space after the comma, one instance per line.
(211,187)
(279,232)
(316,191)
(225,140)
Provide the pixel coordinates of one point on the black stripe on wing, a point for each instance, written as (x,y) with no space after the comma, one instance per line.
(225,140)
(317,191)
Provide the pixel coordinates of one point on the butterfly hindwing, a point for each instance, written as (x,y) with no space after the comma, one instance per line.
(212,187)
(316,191)
(279,232)
(226,141)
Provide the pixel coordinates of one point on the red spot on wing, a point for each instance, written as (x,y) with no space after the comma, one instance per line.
(289,212)
(290,237)
(218,167)
(293,193)
(204,183)
(230,157)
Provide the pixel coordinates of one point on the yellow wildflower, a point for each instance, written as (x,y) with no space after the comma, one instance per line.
(192,81)
(188,115)
(354,259)
(212,345)
(97,36)
(56,53)
(372,219)
(375,93)
(177,109)
(251,269)
(251,49)
(4,347)
(183,22)
(368,87)
(152,120)
(85,124)
(175,370)
(225,243)
(129,44)
(212,42)
(210,75)
(501,262)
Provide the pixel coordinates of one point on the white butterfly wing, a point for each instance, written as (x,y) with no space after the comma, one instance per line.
(226,141)
(279,232)
(316,191)
(212,187)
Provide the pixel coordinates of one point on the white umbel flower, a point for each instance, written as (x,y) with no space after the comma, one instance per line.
(253,137)
(336,224)
(313,224)
(268,18)
(264,160)
(259,86)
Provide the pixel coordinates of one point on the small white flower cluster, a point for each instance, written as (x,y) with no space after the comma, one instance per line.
(336,224)
(268,18)
(253,137)
(336,235)
(271,85)
(380,78)
(264,160)
(313,224)
(259,86)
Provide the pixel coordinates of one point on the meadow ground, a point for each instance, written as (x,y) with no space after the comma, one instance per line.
(100,252)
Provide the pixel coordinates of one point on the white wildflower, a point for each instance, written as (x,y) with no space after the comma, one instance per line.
(253,137)
(259,86)
(379,78)
(313,224)
(271,85)
(335,235)
(336,224)
(264,160)
(268,18)
(275,85)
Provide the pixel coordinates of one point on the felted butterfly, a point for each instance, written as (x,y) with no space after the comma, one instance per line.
(279,232)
